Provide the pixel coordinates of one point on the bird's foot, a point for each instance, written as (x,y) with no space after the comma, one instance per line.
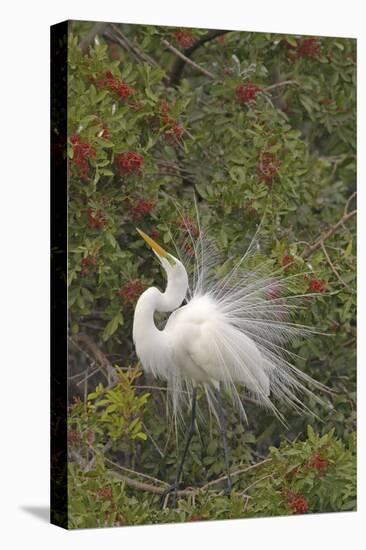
(171,490)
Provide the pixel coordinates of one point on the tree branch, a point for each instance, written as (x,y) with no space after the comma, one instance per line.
(333,268)
(179,64)
(232,474)
(186,59)
(280,84)
(91,346)
(329,233)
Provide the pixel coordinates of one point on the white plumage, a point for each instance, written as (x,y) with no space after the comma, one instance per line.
(234,331)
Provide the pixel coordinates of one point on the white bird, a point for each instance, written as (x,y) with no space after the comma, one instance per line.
(230,333)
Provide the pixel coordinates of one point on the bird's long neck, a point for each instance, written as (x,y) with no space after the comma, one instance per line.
(151,344)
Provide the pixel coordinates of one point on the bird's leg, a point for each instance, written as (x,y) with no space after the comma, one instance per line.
(173,489)
(222,423)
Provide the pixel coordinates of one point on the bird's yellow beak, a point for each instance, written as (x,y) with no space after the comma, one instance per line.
(155,246)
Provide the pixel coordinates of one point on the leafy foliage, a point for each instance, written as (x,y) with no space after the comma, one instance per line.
(315,475)
(269,136)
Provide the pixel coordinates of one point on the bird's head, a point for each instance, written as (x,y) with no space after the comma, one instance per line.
(170,264)
(176,273)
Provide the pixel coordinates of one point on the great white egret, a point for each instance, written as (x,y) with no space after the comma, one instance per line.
(232,331)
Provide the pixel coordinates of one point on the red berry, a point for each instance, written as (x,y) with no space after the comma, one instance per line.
(247,92)
(140,208)
(184,38)
(318,462)
(72,436)
(105,492)
(130,291)
(164,107)
(129,163)
(317,285)
(189,226)
(297,503)
(286,261)
(189,250)
(174,131)
(196,517)
(267,167)
(88,264)
(82,151)
(308,47)
(123,90)
(96,219)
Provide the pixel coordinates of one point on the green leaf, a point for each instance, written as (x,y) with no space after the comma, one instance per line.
(112,326)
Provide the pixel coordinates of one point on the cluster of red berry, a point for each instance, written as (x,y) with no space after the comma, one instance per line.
(249,209)
(72,436)
(189,250)
(297,503)
(308,47)
(247,92)
(130,291)
(104,492)
(88,264)
(123,90)
(129,163)
(286,262)
(317,285)
(96,219)
(318,462)
(155,233)
(140,208)
(82,151)
(305,47)
(189,226)
(173,131)
(164,106)
(196,517)
(184,38)
(267,167)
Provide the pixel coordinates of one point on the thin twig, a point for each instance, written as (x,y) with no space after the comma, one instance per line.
(232,474)
(91,346)
(348,201)
(279,84)
(255,483)
(186,59)
(141,486)
(329,233)
(129,471)
(98,369)
(139,53)
(179,64)
(333,268)
(153,441)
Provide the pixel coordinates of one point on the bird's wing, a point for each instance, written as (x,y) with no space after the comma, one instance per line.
(207,348)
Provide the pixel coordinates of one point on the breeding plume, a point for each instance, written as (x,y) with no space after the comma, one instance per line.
(226,333)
